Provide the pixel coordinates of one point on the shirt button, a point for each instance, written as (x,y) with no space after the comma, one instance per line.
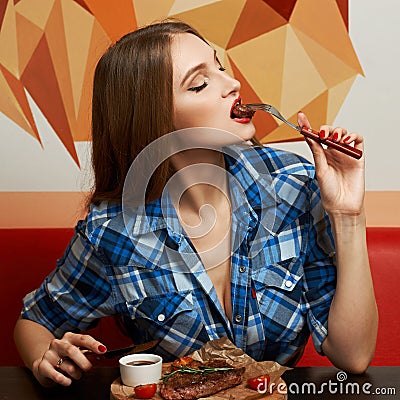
(242,268)
(288,284)
(238,318)
(161,317)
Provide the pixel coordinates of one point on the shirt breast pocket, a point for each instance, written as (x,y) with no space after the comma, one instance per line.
(161,308)
(279,296)
(167,316)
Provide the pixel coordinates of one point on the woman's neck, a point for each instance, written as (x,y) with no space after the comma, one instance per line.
(200,179)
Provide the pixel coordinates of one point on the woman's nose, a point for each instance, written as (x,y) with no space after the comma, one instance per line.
(232,85)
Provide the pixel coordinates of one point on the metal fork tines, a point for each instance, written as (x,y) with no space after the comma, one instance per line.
(271,110)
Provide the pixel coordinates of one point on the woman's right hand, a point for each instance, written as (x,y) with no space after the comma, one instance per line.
(64,359)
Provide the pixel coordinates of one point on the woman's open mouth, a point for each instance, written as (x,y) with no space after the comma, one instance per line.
(240,112)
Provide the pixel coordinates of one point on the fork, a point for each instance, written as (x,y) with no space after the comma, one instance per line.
(308,132)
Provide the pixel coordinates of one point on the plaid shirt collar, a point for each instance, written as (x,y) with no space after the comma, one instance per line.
(250,190)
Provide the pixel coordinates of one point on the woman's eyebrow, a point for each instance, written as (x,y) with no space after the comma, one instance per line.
(196,68)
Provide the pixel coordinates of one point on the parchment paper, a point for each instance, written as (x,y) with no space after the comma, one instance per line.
(224,349)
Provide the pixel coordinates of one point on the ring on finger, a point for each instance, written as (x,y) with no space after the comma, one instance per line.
(59,362)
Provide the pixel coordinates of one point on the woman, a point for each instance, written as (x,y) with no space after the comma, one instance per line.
(279,282)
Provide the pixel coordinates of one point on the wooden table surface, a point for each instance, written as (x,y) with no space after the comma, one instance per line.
(17,383)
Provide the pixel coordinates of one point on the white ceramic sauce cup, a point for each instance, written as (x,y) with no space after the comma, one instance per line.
(140,369)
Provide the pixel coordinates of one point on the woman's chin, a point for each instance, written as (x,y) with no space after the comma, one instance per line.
(247,131)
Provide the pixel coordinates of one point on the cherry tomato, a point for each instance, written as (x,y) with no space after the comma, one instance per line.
(145,391)
(260,382)
(182,361)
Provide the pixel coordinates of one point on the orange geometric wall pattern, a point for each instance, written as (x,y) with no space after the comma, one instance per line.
(295,55)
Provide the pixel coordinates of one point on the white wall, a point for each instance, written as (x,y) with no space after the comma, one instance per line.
(27,166)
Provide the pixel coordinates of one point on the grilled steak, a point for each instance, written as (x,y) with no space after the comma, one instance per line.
(242,111)
(190,386)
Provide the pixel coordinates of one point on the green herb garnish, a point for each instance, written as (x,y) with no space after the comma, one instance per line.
(195,371)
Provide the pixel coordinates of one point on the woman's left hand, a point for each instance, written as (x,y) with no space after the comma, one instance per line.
(340,177)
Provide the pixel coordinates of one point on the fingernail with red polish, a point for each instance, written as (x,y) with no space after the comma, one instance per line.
(322,135)
(102,348)
(335,137)
(348,139)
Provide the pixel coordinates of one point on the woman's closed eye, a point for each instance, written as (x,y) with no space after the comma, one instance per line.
(200,87)
(205,83)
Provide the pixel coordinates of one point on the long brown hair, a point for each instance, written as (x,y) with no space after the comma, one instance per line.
(132,106)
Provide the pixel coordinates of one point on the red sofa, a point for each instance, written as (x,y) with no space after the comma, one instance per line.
(27,255)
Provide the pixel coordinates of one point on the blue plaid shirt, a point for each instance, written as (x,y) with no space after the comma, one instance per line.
(283,276)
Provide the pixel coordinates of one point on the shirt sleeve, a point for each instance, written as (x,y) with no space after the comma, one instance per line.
(75,295)
(319,270)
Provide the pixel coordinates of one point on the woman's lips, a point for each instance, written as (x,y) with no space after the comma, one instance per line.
(242,120)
